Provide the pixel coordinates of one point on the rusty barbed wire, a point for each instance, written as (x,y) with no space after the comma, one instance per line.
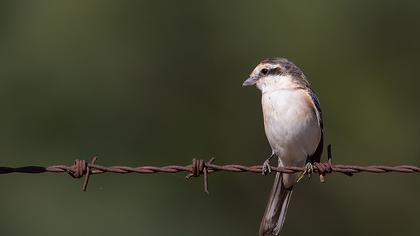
(198,167)
(83,168)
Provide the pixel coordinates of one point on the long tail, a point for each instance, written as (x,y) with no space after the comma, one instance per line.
(276,210)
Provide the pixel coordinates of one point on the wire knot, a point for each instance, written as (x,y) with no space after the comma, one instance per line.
(199,167)
(323,169)
(78,170)
(326,167)
(82,168)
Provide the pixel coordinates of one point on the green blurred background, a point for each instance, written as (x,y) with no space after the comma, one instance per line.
(159,82)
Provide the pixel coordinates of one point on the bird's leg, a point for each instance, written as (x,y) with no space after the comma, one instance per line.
(266,168)
(309,169)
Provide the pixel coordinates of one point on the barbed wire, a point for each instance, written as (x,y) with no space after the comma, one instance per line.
(198,167)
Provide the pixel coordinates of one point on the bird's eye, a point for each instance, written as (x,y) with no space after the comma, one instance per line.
(264,71)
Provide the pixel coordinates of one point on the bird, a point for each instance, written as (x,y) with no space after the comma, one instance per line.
(294,129)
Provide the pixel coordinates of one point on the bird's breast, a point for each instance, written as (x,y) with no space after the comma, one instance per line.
(291,125)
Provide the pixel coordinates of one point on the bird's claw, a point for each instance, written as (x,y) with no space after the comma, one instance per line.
(266,168)
(309,169)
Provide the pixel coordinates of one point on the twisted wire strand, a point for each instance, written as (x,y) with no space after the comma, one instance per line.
(83,168)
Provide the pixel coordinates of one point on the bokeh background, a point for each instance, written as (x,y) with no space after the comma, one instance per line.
(159,82)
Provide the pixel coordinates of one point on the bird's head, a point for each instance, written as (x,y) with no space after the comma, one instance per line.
(276,73)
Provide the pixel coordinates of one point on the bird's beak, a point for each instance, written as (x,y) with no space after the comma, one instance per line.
(250,81)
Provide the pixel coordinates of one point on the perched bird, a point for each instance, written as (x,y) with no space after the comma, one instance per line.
(294,129)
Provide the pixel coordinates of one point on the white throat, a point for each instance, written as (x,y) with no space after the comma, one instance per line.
(276,82)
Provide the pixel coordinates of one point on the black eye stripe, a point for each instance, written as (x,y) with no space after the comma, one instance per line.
(275,71)
(271,71)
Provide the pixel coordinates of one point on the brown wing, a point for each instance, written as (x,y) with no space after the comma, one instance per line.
(316,156)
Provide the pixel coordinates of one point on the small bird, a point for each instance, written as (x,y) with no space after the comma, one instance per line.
(293,126)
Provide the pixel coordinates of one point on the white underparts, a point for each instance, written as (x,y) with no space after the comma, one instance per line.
(290,123)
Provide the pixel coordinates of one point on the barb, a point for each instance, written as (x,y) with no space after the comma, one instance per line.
(82,168)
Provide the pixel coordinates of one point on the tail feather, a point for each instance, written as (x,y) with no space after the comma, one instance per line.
(275,213)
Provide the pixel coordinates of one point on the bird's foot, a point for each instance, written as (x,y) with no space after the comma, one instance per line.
(309,169)
(266,168)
